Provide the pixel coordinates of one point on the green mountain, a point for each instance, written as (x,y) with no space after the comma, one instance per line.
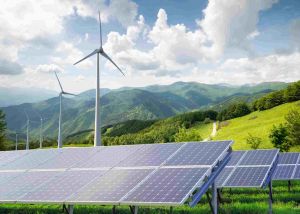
(147,103)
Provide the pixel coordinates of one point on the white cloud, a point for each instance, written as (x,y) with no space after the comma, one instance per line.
(49,68)
(10,68)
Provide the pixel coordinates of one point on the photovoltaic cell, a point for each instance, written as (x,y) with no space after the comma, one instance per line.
(283,172)
(288,158)
(111,187)
(107,156)
(19,185)
(223,176)
(259,157)
(6,176)
(297,172)
(31,160)
(247,177)
(11,156)
(151,155)
(235,157)
(201,153)
(167,185)
(67,158)
(61,186)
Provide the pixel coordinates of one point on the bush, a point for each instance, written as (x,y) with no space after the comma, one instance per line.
(279,138)
(233,111)
(207,120)
(253,141)
(184,135)
(293,126)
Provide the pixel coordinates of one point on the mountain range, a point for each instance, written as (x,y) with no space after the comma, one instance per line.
(146,103)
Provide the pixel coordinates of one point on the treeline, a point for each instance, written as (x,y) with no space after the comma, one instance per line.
(290,94)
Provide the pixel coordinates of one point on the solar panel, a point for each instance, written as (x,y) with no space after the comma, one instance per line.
(284,172)
(19,185)
(11,156)
(248,168)
(288,158)
(35,158)
(6,176)
(287,166)
(59,187)
(297,172)
(199,153)
(247,177)
(151,155)
(166,186)
(111,187)
(108,156)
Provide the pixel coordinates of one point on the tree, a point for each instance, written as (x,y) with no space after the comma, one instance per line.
(183,135)
(293,126)
(2,130)
(253,141)
(279,138)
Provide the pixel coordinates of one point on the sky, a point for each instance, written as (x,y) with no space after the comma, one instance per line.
(154,42)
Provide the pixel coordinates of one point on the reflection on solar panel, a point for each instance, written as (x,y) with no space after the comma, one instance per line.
(288,167)
(248,168)
(144,174)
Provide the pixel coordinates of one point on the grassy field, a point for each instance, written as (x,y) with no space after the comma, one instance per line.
(258,124)
(236,201)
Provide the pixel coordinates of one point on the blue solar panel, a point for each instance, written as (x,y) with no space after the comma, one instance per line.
(30,160)
(167,185)
(288,158)
(19,185)
(247,177)
(7,176)
(223,176)
(111,187)
(297,172)
(10,156)
(259,157)
(283,172)
(235,157)
(151,155)
(61,186)
(201,153)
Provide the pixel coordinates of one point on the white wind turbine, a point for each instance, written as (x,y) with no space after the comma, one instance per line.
(97,135)
(27,130)
(62,92)
(41,129)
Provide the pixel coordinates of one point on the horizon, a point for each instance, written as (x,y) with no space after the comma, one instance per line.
(155,44)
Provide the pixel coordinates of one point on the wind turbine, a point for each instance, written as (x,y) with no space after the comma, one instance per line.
(41,129)
(16,140)
(97,135)
(61,93)
(27,131)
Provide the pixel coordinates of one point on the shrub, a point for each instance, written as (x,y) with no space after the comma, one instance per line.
(279,138)
(183,135)
(253,141)
(293,126)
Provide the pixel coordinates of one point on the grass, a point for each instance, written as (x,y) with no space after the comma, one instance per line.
(204,130)
(235,201)
(258,124)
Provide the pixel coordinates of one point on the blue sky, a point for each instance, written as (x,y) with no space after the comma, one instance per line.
(154,42)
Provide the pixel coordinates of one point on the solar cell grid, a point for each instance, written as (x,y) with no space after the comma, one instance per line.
(247,177)
(61,186)
(259,157)
(235,157)
(151,155)
(30,160)
(283,172)
(107,156)
(198,153)
(111,187)
(297,172)
(11,156)
(223,176)
(16,187)
(288,158)
(67,158)
(6,176)
(167,185)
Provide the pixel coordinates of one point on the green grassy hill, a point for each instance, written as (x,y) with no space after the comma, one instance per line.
(257,123)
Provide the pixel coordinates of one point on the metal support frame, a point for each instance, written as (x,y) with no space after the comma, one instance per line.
(219,191)
(289,185)
(113,210)
(270,197)
(171,210)
(210,180)
(69,209)
(214,199)
(209,202)
(134,209)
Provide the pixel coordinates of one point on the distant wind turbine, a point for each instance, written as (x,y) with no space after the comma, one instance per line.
(16,140)
(97,135)
(61,93)
(41,129)
(27,130)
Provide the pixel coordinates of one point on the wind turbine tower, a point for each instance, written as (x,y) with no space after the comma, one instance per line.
(61,93)
(97,134)
(27,131)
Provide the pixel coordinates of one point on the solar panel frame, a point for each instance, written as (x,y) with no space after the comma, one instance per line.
(288,164)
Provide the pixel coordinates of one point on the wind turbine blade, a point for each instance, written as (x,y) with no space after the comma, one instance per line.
(91,54)
(107,57)
(100,29)
(61,88)
(26,115)
(67,93)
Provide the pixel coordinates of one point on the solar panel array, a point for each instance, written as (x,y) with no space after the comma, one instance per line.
(163,174)
(288,167)
(247,168)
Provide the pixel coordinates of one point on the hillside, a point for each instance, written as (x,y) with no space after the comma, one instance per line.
(258,123)
(147,103)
